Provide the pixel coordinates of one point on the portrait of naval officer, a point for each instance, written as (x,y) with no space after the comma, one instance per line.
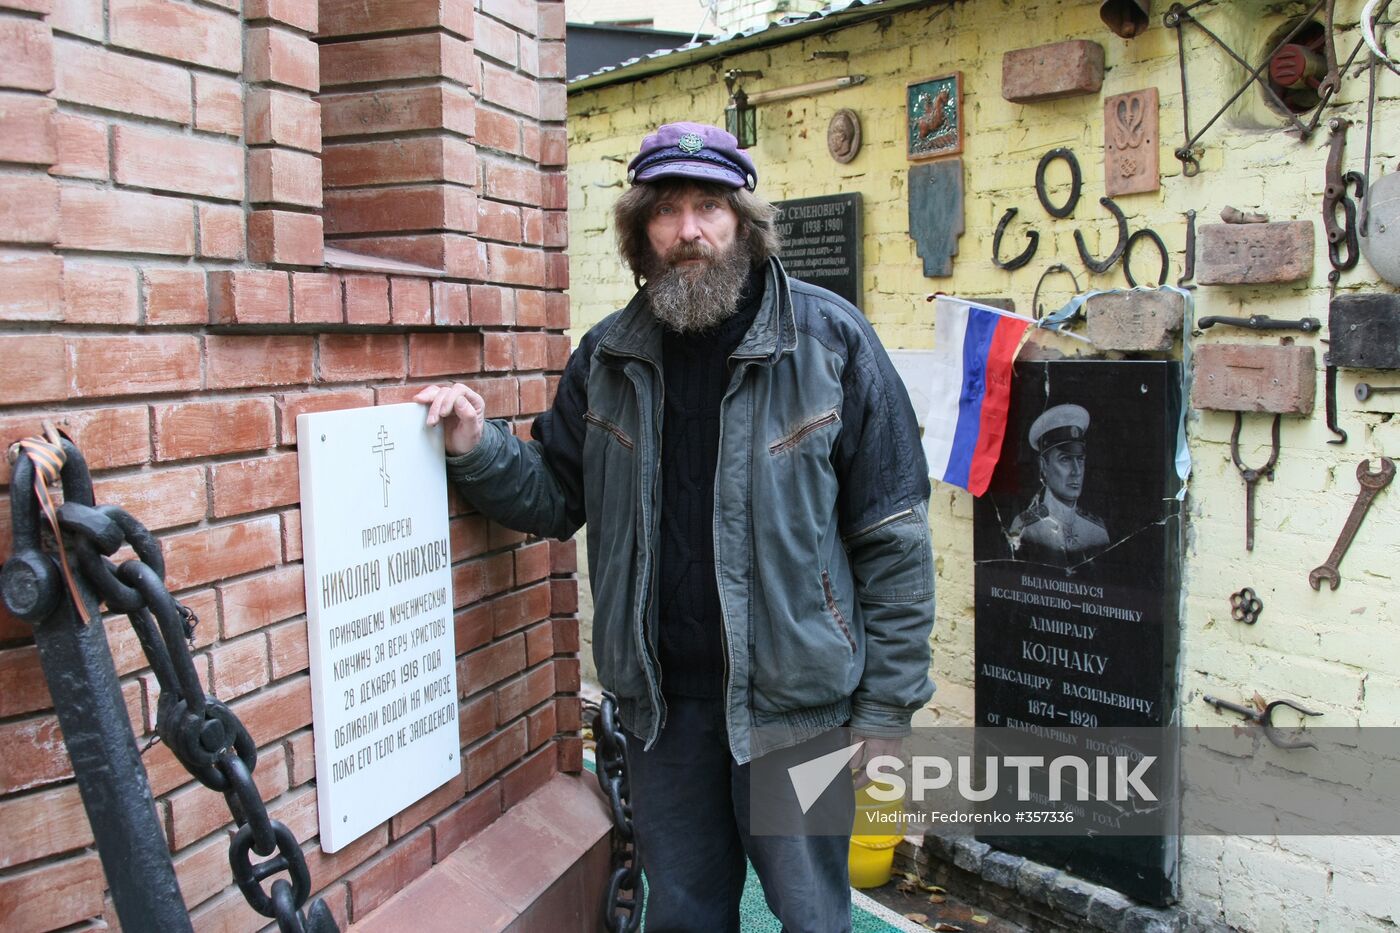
(1053,529)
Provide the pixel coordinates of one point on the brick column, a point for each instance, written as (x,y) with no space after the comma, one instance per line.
(400,163)
(165,302)
(282,69)
(33,275)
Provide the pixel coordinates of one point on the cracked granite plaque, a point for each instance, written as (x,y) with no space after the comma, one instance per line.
(1077,583)
(821,242)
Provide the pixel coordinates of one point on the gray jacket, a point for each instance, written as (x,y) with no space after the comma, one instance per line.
(822,552)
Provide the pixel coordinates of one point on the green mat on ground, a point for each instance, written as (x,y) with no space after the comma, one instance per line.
(867,916)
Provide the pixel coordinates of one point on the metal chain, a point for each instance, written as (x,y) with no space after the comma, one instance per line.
(622,910)
(203,733)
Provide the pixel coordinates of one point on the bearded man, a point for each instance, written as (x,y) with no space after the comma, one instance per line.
(748,466)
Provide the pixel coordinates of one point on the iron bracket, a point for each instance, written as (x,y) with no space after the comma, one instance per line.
(1307,325)
(1178,15)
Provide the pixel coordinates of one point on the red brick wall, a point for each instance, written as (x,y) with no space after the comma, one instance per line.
(166,296)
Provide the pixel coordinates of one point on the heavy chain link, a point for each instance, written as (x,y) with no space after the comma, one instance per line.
(203,733)
(623,907)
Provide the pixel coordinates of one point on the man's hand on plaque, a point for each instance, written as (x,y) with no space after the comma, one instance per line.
(461,411)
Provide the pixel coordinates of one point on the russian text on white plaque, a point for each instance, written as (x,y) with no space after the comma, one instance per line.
(379,614)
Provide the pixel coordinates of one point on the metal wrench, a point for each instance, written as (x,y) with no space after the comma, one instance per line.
(1333,79)
(1371,483)
(1265,718)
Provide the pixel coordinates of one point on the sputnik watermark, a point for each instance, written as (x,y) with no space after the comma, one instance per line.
(1116,778)
(810,779)
(1037,780)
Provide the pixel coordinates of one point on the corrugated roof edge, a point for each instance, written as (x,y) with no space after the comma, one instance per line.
(835,16)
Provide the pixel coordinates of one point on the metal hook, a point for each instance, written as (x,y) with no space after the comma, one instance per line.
(1347,234)
(1190,162)
(1331,396)
(1102,266)
(1026,254)
(1188,271)
(1052,268)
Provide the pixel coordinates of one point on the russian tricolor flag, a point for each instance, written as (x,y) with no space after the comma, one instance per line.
(974,347)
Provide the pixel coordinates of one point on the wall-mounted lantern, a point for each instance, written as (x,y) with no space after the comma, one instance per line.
(740,118)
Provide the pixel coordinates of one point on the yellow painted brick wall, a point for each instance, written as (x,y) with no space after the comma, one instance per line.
(1338,652)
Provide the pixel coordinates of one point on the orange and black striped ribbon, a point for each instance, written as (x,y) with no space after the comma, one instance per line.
(48,457)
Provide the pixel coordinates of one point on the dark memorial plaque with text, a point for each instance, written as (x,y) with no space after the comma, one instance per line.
(821,242)
(1077,551)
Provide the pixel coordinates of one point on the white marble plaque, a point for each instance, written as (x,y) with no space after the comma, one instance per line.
(379,614)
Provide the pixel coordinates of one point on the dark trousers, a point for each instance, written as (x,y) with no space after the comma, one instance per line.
(691,814)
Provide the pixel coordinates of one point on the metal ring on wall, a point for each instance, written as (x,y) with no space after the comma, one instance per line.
(1050,269)
(1101,266)
(1026,254)
(1128,251)
(1076,182)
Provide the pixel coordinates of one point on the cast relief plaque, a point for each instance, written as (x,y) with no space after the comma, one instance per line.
(1131,143)
(378,571)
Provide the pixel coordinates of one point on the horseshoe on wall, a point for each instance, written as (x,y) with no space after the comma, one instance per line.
(1036,311)
(1145,234)
(1015,262)
(1076,182)
(1101,266)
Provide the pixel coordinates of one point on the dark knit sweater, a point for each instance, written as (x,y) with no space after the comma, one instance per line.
(696,373)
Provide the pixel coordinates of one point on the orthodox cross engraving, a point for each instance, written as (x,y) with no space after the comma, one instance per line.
(382,448)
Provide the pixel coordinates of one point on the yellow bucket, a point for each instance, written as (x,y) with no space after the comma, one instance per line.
(874,837)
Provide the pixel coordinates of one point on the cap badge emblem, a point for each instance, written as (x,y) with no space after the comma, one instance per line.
(690,143)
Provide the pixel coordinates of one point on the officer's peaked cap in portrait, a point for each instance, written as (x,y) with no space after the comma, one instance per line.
(1062,424)
(695,151)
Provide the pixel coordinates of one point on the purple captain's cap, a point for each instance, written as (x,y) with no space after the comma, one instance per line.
(695,151)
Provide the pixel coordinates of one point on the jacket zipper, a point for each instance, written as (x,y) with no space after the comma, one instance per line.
(648,636)
(835,610)
(741,370)
(880,524)
(611,428)
(796,437)
(649,630)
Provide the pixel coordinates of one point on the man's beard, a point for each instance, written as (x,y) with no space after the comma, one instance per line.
(693,299)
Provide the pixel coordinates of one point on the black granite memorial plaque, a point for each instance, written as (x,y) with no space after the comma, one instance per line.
(1077,582)
(821,242)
